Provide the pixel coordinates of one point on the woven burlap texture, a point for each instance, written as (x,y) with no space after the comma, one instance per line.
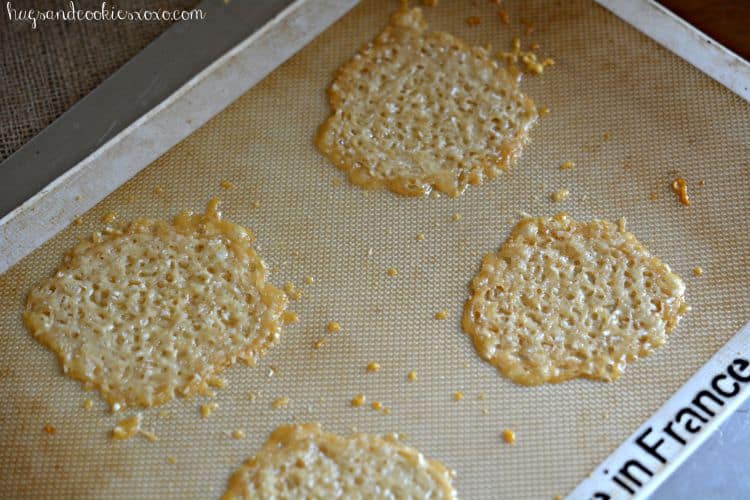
(630,115)
(44,71)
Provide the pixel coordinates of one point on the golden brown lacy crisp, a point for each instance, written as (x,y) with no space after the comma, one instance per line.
(417,110)
(303,461)
(564,299)
(157,309)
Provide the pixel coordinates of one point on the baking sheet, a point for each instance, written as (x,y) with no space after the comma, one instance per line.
(661,117)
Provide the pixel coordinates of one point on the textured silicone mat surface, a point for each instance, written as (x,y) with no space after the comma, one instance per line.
(661,116)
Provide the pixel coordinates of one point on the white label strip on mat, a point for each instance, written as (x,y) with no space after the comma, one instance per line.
(666,439)
(683,39)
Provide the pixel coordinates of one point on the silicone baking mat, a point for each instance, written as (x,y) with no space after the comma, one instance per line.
(630,115)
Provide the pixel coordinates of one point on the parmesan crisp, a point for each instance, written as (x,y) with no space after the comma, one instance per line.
(415,111)
(155,309)
(303,461)
(564,299)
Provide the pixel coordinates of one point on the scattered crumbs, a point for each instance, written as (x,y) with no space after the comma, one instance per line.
(697,271)
(702,182)
(171,460)
(319,343)
(150,436)
(115,407)
(481,396)
(290,317)
(530,63)
(255,204)
(333,327)
(679,186)
(567,165)
(430,3)
(622,224)
(77,221)
(434,195)
(207,409)
(280,402)
(271,371)
(386,411)
(653,196)
(605,136)
(291,291)
(358,400)
(412,376)
(87,404)
(376,405)
(458,396)
(528,28)
(251,396)
(509,436)
(216,382)
(309,280)
(373,367)
(238,434)
(109,217)
(466,364)
(441,315)
(485,411)
(226,185)
(336,182)
(473,20)
(158,190)
(504,17)
(49,429)
(534,46)
(163,414)
(560,195)
(127,427)
(558,497)
(78,197)
(391,271)
(543,110)
(456,217)
(420,236)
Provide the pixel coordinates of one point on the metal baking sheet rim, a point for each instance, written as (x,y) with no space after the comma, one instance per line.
(92,179)
(211,90)
(686,41)
(143,141)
